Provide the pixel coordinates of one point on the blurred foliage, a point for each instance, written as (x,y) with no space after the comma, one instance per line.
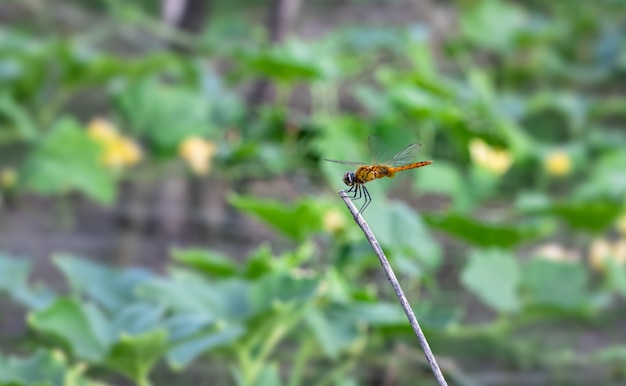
(522,108)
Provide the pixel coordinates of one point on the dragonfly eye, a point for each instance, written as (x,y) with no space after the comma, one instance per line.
(349,178)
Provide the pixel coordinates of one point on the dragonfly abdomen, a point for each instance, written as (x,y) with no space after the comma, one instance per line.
(412,166)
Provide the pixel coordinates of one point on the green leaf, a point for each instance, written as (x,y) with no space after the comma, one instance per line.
(607,179)
(334,334)
(617,275)
(530,201)
(281,288)
(378,314)
(181,325)
(112,288)
(43,368)
(24,64)
(227,105)
(209,262)
(297,221)
(135,356)
(417,101)
(401,230)
(295,258)
(259,262)
(190,293)
(444,178)
(13,280)
(67,160)
(13,272)
(389,317)
(346,381)
(164,115)
(75,324)
(377,103)
(493,24)
(338,286)
(555,284)
(287,63)
(592,216)
(137,318)
(18,116)
(437,314)
(482,234)
(82,66)
(182,354)
(494,276)
(269,375)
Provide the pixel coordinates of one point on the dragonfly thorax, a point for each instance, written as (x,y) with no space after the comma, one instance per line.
(349,178)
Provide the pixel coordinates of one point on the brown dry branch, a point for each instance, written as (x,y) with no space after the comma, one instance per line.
(396,287)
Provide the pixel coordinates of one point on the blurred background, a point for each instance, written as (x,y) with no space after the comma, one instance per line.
(166,216)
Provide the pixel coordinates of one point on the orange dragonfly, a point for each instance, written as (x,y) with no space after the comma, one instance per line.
(365,172)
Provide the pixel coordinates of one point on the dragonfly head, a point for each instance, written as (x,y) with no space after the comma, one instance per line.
(349,178)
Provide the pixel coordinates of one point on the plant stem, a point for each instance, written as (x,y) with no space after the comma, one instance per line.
(302,356)
(396,287)
(338,372)
(143,381)
(285,322)
(243,360)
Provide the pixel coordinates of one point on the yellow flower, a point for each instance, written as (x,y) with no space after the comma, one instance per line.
(496,161)
(334,222)
(119,150)
(602,250)
(102,130)
(198,153)
(558,163)
(8,178)
(123,152)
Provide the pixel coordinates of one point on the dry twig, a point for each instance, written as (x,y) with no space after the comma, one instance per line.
(396,287)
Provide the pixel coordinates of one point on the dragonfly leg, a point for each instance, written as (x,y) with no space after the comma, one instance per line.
(356,192)
(367,197)
(359,192)
(352,190)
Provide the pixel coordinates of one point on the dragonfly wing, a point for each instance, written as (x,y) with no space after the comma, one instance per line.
(345,162)
(406,156)
(379,153)
(378,150)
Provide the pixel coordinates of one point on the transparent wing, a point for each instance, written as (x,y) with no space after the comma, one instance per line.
(406,156)
(345,162)
(381,155)
(378,150)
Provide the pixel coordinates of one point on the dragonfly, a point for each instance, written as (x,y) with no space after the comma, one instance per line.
(366,172)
